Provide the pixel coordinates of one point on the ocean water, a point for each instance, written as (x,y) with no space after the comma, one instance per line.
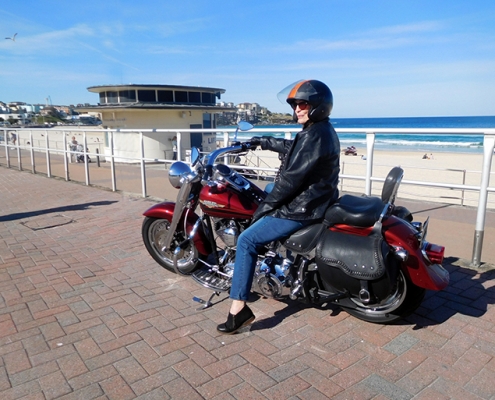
(405,142)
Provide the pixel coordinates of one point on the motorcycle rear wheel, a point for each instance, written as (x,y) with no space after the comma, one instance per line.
(154,232)
(398,305)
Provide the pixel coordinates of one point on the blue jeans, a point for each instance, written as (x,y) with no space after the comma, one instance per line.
(262,232)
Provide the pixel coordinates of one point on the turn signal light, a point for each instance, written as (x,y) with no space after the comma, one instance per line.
(435,253)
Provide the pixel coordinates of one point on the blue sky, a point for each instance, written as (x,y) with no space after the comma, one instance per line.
(380,58)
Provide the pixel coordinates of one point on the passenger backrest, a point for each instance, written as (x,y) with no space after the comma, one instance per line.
(391,184)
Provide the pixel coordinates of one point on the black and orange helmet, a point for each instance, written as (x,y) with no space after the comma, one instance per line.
(317,94)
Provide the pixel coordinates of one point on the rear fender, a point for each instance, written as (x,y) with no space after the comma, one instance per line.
(399,233)
(422,272)
(166,211)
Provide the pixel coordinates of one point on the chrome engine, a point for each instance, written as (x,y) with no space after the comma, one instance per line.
(272,276)
(272,273)
(228,230)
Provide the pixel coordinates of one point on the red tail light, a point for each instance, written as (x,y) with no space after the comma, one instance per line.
(434,252)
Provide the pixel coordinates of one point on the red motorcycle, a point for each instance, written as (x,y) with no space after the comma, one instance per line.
(367,256)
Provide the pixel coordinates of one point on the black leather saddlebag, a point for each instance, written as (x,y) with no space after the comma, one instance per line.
(361,257)
(361,266)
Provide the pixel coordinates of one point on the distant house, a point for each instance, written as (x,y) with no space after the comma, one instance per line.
(15,112)
(50,111)
(157,107)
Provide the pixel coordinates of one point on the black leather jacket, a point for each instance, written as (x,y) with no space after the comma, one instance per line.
(309,177)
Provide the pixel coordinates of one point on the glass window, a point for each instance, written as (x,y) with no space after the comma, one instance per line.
(207,120)
(127,96)
(194,97)
(207,98)
(112,97)
(103,98)
(146,96)
(165,96)
(180,97)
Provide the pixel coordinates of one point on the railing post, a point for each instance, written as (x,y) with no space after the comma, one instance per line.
(112,163)
(18,148)
(225,144)
(33,166)
(66,155)
(179,147)
(463,182)
(85,155)
(7,150)
(370,144)
(488,146)
(48,165)
(143,166)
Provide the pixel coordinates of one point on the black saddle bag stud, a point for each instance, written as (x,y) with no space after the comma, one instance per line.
(357,264)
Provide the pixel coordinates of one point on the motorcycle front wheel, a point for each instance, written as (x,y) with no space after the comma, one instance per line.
(406,298)
(154,232)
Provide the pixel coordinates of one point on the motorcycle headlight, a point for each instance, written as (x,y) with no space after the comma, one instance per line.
(177,170)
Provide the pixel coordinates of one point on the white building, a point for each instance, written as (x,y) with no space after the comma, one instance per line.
(157,107)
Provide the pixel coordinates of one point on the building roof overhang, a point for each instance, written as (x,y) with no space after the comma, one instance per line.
(103,88)
(138,106)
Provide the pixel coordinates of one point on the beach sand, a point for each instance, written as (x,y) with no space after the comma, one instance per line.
(443,168)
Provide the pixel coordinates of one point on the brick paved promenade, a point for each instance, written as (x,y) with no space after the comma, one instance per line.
(85,313)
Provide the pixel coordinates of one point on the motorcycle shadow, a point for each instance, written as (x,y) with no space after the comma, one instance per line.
(292,307)
(470,291)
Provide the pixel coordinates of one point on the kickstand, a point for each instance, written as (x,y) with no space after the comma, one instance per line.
(207,303)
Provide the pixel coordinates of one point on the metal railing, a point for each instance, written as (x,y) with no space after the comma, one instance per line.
(39,141)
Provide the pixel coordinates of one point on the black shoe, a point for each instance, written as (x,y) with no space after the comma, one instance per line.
(237,321)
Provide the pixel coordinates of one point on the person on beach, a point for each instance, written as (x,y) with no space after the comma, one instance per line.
(13,137)
(305,187)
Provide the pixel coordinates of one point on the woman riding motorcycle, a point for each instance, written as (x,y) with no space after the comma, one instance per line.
(306,186)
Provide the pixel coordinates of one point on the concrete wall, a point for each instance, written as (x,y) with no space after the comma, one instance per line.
(146,119)
(157,145)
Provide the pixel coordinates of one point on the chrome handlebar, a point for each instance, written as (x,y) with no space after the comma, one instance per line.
(235,149)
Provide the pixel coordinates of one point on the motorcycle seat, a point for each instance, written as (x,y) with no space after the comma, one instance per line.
(305,239)
(354,210)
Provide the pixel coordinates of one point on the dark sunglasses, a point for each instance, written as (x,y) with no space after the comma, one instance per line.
(302,105)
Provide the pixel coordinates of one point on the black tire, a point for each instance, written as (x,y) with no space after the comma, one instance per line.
(399,305)
(154,232)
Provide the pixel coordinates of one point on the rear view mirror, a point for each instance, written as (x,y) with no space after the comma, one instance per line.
(194,156)
(244,126)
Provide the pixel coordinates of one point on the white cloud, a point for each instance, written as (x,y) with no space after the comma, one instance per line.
(419,27)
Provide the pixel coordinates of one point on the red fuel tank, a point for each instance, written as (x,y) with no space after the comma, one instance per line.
(223,201)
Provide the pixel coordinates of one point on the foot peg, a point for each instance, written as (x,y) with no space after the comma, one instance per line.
(212,280)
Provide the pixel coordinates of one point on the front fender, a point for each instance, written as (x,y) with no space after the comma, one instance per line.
(166,211)
(162,210)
